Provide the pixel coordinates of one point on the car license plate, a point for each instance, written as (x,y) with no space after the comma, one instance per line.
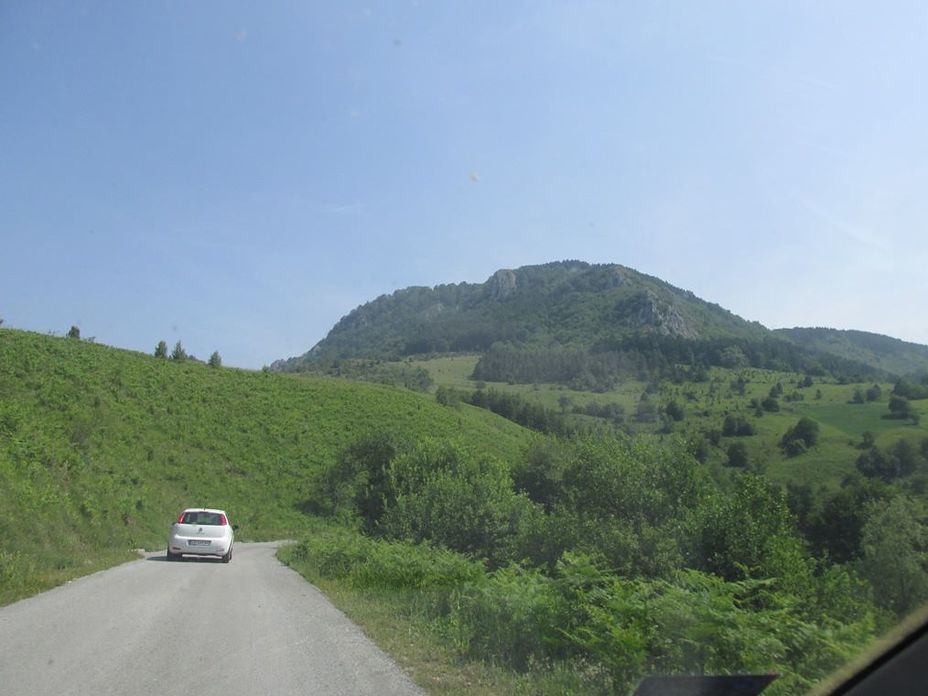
(198,542)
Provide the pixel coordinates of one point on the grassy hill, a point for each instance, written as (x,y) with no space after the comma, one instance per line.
(100,447)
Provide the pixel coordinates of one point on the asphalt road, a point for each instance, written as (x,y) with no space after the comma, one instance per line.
(197,627)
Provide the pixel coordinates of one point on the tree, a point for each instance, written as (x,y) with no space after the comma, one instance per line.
(836,529)
(178,354)
(540,473)
(748,532)
(874,393)
(74,332)
(161,350)
(736,426)
(899,407)
(893,540)
(770,404)
(737,454)
(445,493)
(674,410)
(867,440)
(448,396)
(800,437)
(215,360)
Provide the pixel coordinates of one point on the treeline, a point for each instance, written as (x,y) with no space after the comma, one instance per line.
(377,371)
(902,462)
(651,357)
(908,390)
(540,418)
(624,556)
(512,407)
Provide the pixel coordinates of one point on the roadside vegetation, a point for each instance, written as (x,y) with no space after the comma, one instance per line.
(100,447)
(495,536)
(616,557)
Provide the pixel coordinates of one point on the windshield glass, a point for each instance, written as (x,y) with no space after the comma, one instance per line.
(204,518)
(586,338)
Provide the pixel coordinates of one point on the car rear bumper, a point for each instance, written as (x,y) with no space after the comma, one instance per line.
(183,546)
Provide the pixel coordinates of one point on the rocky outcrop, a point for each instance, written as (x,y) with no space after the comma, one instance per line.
(645,310)
(501,284)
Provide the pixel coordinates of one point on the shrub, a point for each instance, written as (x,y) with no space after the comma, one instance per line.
(737,454)
(444,493)
(736,426)
(800,437)
(770,404)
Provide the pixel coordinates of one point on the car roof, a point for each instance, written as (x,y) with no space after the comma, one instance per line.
(200,509)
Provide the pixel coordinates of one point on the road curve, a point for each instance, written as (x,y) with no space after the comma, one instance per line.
(194,627)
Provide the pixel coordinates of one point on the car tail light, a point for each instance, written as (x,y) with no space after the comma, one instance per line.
(223,521)
(180,518)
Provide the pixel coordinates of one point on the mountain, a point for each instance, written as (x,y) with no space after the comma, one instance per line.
(567,303)
(574,323)
(881,352)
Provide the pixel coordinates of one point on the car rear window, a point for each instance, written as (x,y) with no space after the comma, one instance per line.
(206,518)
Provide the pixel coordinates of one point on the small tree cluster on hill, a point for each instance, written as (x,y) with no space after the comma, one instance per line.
(737,454)
(907,390)
(736,426)
(674,411)
(898,461)
(800,437)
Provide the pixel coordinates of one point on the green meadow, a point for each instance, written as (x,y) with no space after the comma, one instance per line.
(705,405)
(100,448)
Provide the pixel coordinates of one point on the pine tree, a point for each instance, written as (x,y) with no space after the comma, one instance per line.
(178,354)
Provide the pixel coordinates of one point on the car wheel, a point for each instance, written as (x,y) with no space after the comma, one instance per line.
(228,556)
(172,556)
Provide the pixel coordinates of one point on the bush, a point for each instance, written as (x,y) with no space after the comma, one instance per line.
(736,426)
(899,407)
(444,493)
(674,411)
(368,563)
(737,454)
(356,485)
(770,404)
(800,437)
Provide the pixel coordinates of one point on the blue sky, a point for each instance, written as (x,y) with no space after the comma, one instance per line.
(238,176)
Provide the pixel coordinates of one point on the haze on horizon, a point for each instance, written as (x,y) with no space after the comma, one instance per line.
(239,177)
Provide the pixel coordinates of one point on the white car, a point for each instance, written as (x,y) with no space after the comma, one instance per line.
(201,532)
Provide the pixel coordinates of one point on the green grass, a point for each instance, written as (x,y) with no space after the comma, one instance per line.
(450,371)
(100,447)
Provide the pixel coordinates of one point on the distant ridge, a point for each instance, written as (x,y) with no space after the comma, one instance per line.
(560,303)
(881,352)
